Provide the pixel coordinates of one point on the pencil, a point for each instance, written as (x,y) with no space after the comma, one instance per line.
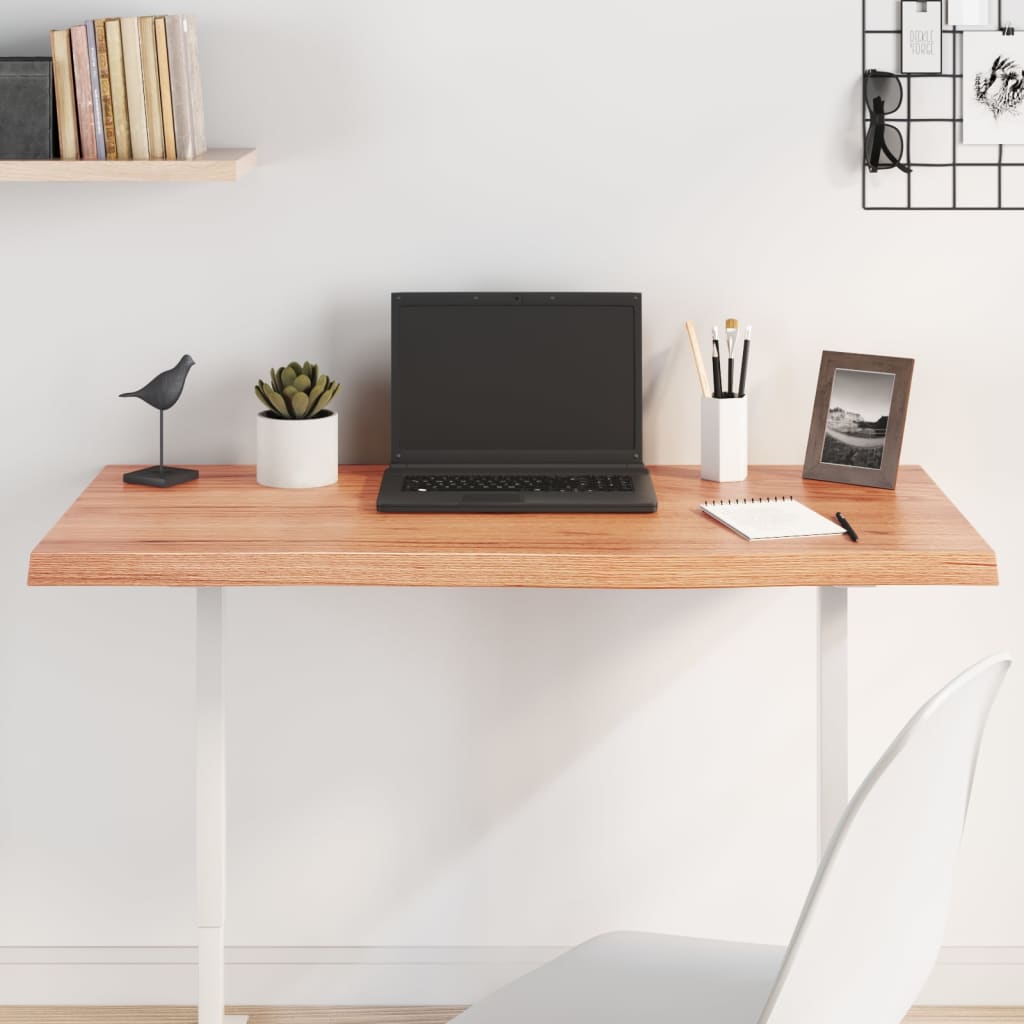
(698,360)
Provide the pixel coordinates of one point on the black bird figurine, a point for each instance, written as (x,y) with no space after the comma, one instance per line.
(165,388)
(162,392)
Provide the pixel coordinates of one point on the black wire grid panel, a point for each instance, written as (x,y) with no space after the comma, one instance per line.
(948,175)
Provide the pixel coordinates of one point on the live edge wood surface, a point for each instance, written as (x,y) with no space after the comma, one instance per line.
(224,530)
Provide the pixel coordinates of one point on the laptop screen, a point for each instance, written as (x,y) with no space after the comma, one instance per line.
(516,377)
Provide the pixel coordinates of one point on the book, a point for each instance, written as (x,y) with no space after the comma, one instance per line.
(181,99)
(118,90)
(94,82)
(195,84)
(64,93)
(106,97)
(27,124)
(771,518)
(131,47)
(83,93)
(151,87)
(166,102)
(186,94)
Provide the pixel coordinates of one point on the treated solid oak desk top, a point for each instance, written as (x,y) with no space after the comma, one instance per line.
(226,530)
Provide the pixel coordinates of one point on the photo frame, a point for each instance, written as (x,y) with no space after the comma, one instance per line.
(860,411)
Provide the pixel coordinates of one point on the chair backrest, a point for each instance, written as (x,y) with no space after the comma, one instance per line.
(874,919)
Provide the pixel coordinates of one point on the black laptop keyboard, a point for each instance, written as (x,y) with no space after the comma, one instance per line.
(591,484)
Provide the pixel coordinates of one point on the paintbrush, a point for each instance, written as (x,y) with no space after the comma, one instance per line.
(732,328)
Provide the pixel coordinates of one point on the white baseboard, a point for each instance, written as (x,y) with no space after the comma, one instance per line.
(366,976)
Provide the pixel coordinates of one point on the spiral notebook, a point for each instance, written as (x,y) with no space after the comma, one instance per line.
(770,518)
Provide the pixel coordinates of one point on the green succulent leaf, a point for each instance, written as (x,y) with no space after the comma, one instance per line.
(317,390)
(300,404)
(302,382)
(289,391)
(262,397)
(286,377)
(279,404)
(297,367)
(324,400)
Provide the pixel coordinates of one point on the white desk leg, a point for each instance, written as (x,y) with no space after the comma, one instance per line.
(211,834)
(833,749)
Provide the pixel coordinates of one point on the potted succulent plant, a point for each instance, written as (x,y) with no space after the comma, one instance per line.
(297,435)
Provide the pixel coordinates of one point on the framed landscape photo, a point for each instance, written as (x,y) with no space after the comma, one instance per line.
(860,410)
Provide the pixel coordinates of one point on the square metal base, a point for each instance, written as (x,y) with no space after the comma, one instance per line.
(155,476)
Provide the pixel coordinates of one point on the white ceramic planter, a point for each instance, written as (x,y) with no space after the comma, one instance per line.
(297,453)
(723,439)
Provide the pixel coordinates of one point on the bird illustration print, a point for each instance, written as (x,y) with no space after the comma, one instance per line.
(1001,88)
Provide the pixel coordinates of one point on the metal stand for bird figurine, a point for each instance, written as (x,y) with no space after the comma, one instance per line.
(161,393)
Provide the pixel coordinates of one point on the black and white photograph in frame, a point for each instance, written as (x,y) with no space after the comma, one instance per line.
(993,89)
(858,418)
(860,410)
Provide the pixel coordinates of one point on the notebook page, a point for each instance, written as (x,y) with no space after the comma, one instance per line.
(771,519)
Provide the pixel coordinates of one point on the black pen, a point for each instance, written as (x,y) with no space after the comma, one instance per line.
(716,363)
(743,364)
(845,524)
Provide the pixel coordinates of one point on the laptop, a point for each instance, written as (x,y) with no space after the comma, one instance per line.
(516,402)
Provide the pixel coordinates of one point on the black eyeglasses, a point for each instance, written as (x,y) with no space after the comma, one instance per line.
(883,144)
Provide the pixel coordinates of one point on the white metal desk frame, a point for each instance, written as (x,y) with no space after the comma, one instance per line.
(211,798)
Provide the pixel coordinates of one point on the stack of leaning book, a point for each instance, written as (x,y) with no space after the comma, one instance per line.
(129,89)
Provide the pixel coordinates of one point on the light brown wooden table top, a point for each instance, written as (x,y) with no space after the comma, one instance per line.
(226,530)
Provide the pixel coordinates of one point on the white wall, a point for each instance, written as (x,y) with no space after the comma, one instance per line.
(466,768)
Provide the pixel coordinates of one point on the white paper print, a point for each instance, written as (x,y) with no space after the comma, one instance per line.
(970,14)
(993,85)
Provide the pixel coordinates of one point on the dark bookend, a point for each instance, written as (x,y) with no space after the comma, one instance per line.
(27,122)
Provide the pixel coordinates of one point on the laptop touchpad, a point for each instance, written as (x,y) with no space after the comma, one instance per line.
(500,498)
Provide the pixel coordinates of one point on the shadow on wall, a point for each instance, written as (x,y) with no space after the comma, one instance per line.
(366,417)
(490,717)
(849,138)
(360,352)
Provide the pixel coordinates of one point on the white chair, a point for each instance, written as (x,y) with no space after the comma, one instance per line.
(870,928)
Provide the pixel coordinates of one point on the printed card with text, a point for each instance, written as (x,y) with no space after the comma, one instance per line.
(922,37)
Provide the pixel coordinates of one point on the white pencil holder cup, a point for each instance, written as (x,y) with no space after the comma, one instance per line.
(723,439)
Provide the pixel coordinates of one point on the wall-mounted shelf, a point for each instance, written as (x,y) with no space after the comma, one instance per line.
(213,165)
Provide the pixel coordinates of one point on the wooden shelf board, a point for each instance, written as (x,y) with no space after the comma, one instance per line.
(213,165)
(390,1014)
(225,530)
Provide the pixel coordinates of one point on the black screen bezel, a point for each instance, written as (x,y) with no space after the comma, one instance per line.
(524,457)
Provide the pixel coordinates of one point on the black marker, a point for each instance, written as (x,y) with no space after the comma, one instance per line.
(743,364)
(845,524)
(716,364)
